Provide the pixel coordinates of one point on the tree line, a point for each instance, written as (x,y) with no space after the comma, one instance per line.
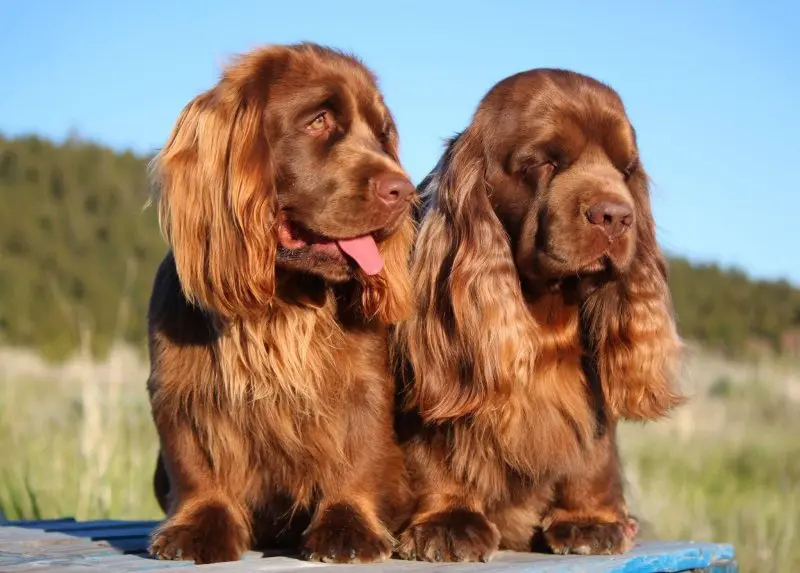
(78,251)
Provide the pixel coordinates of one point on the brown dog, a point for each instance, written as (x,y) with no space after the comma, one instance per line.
(288,216)
(542,317)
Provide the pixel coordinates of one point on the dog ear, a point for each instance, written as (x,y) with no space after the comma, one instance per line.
(217,203)
(632,329)
(470,335)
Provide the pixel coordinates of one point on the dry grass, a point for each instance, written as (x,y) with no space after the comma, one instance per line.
(77,439)
(727,466)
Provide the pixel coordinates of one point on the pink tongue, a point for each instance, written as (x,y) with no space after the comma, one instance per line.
(365,252)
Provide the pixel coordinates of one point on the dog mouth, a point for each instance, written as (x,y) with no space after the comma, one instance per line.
(591,265)
(361,249)
(556,274)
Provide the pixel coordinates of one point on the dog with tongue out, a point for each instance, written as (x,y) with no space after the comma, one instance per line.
(288,216)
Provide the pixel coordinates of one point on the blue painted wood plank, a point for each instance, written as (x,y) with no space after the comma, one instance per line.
(123,536)
(78,526)
(129,544)
(646,558)
(112,532)
(78,548)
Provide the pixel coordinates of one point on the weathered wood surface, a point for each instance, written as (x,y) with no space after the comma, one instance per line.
(110,545)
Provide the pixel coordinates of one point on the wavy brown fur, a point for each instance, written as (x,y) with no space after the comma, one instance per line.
(533,332)
(270,386)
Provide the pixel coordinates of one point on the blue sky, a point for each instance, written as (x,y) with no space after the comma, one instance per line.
(712,86)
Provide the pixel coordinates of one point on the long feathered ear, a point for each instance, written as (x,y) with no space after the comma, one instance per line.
(470,336)
(631,327)
(217,203)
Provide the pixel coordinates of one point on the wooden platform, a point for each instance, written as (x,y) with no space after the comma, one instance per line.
(83,547)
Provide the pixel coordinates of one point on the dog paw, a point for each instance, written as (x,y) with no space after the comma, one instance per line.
(210,534)
(343,535)
(455,535)
(591,538)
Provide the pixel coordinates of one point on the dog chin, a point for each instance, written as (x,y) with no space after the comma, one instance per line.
(329,267)
(551,268)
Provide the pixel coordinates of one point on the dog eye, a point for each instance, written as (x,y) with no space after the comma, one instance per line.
(631,167)
(546,165)
(320,123)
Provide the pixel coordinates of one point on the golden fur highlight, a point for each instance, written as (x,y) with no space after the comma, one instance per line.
(632,328)
(470,325)
(214,184)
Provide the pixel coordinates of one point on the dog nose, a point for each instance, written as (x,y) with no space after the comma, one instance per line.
(614,218)
(391,188)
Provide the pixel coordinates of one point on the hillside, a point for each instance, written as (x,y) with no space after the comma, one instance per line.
(78,253)
(77,250)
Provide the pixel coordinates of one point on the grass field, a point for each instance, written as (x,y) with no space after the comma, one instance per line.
(727,466)
(76,439)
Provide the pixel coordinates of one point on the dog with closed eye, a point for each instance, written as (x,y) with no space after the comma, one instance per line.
(287,213)
(542,317)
